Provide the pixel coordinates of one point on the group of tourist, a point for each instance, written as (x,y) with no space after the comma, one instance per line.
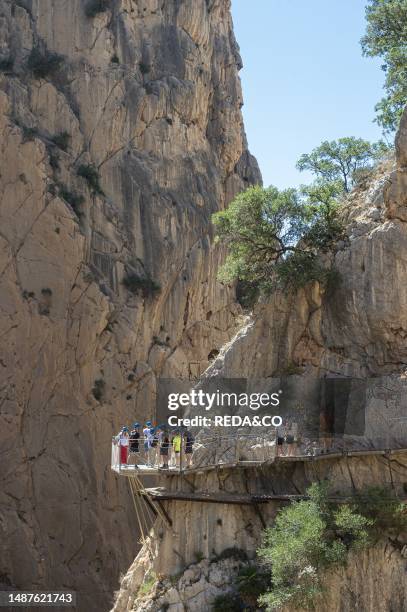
(157,445)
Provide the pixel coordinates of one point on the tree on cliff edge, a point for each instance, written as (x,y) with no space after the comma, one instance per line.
(272,237)
(275,238)
(386,37)
(342,159)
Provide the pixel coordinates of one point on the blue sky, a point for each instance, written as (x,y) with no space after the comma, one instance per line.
(304,79)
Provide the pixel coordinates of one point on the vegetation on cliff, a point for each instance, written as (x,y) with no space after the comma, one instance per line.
(261,228)
(94,7)
(342,161)
(313,535)
(275,238)
(386,37)
(144,285)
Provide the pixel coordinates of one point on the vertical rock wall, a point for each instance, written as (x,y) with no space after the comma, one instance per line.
(199,556)
(149,97)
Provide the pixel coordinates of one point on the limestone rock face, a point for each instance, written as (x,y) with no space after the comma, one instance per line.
(195,590)
(401,141)
(373,579)
(228,536)
(120,134)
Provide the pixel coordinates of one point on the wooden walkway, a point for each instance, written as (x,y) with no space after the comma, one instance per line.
(145,470)
(148,501)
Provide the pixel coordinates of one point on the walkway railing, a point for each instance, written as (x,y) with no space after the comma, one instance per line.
(224,450)
(234,449)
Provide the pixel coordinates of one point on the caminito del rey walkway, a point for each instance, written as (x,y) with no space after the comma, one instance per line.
(224,452)
(237,450)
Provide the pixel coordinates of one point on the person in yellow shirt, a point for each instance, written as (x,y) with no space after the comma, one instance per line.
(176,445)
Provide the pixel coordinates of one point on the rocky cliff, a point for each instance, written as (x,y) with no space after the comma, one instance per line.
(357,328)
(199,557)
(121,133)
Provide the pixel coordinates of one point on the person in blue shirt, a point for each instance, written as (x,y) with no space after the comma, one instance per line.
(149,445)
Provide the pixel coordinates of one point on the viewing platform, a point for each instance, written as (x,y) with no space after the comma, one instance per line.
(235,452)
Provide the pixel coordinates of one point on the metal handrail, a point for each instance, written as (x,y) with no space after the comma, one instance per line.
(236,448)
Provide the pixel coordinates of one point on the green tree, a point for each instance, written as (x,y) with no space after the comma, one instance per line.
(260,227)
(340,160)
(323,199)
(386,37)
(273,237)
(306,538)
(384,508)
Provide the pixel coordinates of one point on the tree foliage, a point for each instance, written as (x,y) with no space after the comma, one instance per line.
(273,236)
(43,63)
(91,176)
(340,160)
(94,7)
(260,227)
(383,507)
(386,37)
(144,285)
(314,534)
(323,201)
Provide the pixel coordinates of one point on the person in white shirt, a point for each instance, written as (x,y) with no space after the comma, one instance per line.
(150,450)
(124,446)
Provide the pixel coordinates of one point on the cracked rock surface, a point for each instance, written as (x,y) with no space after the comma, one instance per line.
(120,134)
(226,538)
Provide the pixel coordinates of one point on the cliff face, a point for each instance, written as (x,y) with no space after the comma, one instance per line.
(227,537)
(121,133)
(374,579)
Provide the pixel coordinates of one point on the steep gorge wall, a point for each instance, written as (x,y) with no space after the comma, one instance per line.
(227,537)
(149,94)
